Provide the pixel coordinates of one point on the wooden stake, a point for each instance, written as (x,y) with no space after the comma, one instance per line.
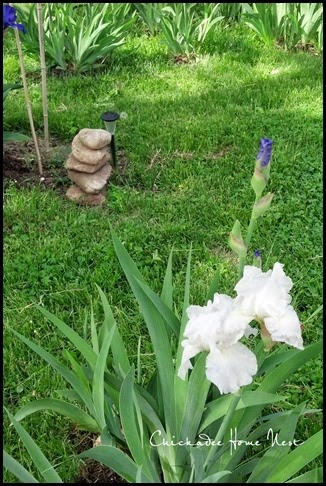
(27,100)
(43,72)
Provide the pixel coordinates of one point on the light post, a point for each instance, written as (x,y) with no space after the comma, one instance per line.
(110,119)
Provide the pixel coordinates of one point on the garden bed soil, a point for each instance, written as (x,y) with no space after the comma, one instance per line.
(91,471)
(94,472)
(20,167)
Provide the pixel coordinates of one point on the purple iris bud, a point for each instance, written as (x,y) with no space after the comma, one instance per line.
(265,152)
(10,18)
(257,259)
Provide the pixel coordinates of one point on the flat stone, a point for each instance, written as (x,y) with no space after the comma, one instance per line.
(91,183)
(86,155)
(76,194)
(75,164)
(94,138)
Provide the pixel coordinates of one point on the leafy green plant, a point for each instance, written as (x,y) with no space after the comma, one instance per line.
(301,24)
(9,87)
(178,428)
(12,136)
(183,29)
(150,15)
(320,38)
(289,24)
(311,20)
(266,19)
(77,37)
(230,11)
(211,16)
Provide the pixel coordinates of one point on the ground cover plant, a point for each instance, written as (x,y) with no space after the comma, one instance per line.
(187,140)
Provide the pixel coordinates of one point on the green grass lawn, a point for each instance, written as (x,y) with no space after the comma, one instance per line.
(190,139)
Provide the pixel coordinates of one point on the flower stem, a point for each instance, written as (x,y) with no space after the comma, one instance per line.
(224,425)
(250,230)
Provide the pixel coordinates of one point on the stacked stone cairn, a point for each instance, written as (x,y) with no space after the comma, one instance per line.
(88,166)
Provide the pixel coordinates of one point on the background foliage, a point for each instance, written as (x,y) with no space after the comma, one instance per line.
(93,31)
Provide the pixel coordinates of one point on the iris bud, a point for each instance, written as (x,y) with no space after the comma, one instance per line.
(256,261)
(265,153)
(263,167)
(236,241)
(262,205)
(258,182)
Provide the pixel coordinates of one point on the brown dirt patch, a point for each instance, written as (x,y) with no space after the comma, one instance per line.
(94,472)
(20,166)
(218,155)
(91,471)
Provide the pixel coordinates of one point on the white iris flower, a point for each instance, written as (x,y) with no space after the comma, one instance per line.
(265,297)
(218,326)
(229,364)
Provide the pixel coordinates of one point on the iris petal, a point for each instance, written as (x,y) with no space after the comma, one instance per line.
(285,329)
(216,328)
(10,18)
(265,152)
(230,368)
(265,297)
(189,352)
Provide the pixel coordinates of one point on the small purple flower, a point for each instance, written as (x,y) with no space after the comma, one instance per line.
(10,18)
(265,152)
(257,253)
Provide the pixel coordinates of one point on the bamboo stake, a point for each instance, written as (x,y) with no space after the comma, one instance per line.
(43,72)
(27,99)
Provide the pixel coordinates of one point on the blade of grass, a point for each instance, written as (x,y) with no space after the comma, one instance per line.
(116,460)
(39,459)
(314,476)
(76,414)
(73,337)
(167,290)
(98,379)
(120,356)
(131,431)
(297,459)
(17,469)
(61,369)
